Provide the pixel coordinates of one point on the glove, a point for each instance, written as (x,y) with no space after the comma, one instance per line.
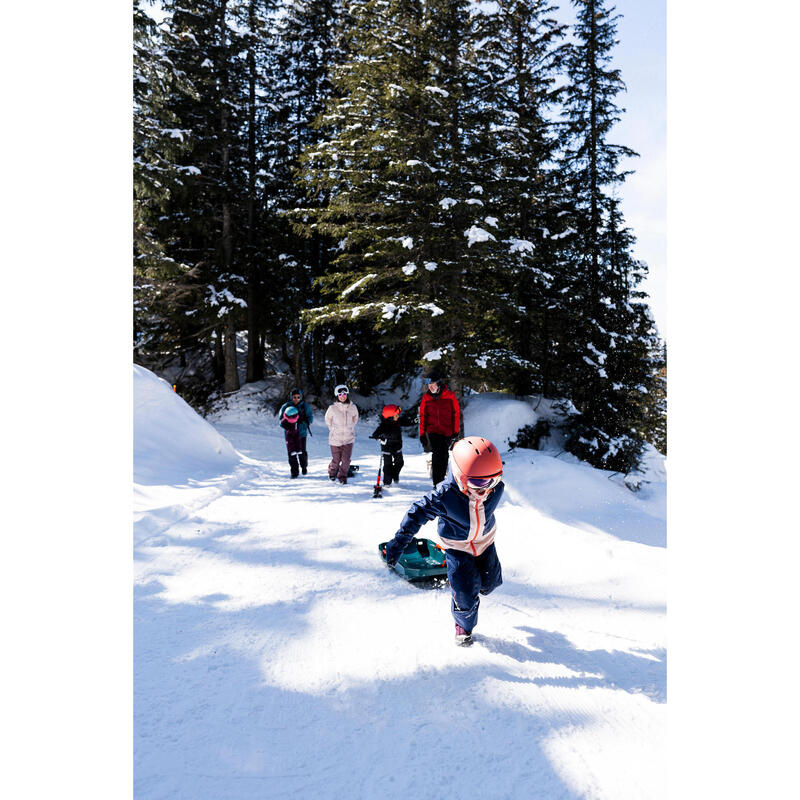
(382,440)
(426,446)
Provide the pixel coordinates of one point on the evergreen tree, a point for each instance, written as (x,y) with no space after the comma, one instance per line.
(607,353)
(158,143)
(655,423)
(306,43)
(520,61)
(202,218)
(402,166)
(253,20)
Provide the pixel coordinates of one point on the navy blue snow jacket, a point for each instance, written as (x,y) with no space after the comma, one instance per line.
(466,522)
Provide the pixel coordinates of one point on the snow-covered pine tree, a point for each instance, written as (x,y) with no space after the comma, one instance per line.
(520,54)
(607,351)
(252,20)
(633,357)
(402,167)
(158,144)
(655,423)
(305,45)
(202,221)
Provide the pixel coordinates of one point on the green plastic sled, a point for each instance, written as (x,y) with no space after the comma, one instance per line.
(421,559)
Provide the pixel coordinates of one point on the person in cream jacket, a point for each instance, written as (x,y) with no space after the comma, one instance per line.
(341,418)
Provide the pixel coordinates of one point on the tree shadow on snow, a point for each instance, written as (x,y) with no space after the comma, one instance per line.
(210,721)
(637,672)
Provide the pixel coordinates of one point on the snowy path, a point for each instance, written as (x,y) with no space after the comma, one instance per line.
(275,657)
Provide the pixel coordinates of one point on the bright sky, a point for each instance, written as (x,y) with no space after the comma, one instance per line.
(641,58)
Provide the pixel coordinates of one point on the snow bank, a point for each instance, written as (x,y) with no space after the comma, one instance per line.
(497,417)
(171,442)
(653,464)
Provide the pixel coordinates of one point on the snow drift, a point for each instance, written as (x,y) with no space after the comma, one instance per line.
(171,442)
(497,417)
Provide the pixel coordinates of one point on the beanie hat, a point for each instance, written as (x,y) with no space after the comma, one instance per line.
(433,376)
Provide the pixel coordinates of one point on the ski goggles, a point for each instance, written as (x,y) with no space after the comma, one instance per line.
(341,390)
(483,483)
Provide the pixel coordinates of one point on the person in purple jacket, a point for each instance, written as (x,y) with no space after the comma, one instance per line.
(465,503)
(290,422)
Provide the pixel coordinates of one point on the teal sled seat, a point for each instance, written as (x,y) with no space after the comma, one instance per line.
(421,559)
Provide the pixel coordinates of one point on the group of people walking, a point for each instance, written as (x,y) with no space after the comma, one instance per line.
(439,426)
(464,505)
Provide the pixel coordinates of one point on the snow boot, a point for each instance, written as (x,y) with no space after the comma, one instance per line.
(343,481)
(332,477)
(305,470)
(463,638)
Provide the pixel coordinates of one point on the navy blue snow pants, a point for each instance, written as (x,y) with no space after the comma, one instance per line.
(471,576)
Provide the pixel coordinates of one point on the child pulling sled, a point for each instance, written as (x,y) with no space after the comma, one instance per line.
(465,503)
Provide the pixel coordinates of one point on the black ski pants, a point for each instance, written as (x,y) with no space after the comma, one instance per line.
(299,459)
(440,447)
(392,464)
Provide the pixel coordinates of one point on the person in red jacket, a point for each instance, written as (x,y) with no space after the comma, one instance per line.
(439,423)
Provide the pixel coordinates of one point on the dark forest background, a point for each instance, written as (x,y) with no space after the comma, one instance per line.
(366,184)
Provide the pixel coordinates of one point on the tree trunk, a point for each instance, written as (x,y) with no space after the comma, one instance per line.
(218,358)
(231,368)
(593,176)
(298,354)
(456,385)
(255,349)
(545,353)
(255,360)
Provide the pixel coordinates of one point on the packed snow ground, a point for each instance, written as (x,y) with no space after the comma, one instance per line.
(275,656)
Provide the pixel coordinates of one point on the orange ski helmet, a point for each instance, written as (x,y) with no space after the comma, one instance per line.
(476,464)
(390,410)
